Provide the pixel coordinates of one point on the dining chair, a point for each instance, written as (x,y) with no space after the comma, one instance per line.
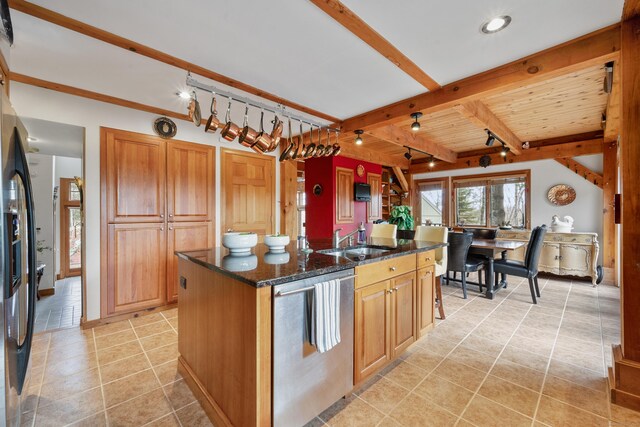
(459,259)
(482,233)
(436,234)
(528,268)
(384,230)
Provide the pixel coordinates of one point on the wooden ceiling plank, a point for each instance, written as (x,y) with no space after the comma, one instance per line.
(478,113)
(356,152)
(398,136)
(614,107)
(592,49)
(581,170)
(113,39)
(630,9)
(572,149)
(352,22)
(401,178)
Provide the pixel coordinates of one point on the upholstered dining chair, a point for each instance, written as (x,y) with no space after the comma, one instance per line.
(482,233)
(528,268)
(384,230)
(436,234)
(459,259)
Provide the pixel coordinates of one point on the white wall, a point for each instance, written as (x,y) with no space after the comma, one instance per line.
(65,167)
(59,107)
(41,169)
(586,210)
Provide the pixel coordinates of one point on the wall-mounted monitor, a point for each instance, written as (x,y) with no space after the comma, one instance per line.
(362,192)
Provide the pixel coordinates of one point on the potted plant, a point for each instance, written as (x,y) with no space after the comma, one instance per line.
(401,216)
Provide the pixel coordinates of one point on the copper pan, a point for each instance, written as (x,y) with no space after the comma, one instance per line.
(194,113)
(263,139)
(230,130)
(276,134)
(213,123)
(286,152)
(248,135)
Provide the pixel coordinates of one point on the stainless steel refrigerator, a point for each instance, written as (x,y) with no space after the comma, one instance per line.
(17,265)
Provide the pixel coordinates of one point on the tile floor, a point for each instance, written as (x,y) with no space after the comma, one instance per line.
(62,309)
(503,362)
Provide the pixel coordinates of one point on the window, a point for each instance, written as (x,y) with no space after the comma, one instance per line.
(492,200)
(301,199)
(432,206)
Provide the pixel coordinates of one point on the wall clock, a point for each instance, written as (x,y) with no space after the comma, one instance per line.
(165,127)
(360,170)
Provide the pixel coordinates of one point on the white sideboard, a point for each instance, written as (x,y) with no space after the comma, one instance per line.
(564,254)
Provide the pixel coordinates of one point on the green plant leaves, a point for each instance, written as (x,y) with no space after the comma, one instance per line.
(401,216)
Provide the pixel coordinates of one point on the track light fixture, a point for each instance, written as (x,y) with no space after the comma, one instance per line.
(505,150)
(491,138)
(415,126)
(358,133)
(408,155)
(432,162)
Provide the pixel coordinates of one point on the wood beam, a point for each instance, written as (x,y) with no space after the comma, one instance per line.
(480,115)
(592,49)
(401,137)
(614,104)
(352,22)
(288,197)
(630,9)
(610,188)
(362,153)
(572,149)
(113,39)
(401,179)
(581,170)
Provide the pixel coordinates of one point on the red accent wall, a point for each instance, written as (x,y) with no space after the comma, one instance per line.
(321,210)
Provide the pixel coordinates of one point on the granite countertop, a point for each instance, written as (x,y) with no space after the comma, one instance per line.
(263,268)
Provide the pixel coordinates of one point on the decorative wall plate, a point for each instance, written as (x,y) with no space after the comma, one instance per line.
(317,189)
(360,170)
(165,127)
(561,194)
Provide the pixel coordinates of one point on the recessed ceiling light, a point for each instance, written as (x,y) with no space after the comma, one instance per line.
(183,94)
(496,24)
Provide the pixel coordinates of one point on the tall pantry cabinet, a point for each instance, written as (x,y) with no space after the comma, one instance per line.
(157,197)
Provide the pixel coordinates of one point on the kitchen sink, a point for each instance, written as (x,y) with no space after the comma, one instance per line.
(355,252)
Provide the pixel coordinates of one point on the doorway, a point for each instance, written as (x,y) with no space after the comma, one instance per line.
(70,227)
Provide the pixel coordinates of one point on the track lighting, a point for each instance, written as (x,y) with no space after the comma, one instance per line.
(415,126)
(432,161)
(408,155)
(358,133)
(491,138)
(183,94)
(505,150)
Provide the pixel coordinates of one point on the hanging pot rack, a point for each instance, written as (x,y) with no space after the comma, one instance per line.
(279,110)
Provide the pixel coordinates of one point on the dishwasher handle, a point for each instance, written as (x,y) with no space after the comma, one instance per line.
(308,288)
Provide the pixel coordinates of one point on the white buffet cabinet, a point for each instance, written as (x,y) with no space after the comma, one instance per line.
(564,254)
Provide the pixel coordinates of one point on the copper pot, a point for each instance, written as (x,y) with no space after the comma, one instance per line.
(194,110)
(213,123)
(248,135)
(276,134)
(336,150)
(286,152)
(310,151)
(331,149)
(263,139)
(230,130)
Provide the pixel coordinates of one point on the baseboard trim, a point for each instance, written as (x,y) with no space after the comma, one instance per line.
(46,291)
(624,380)
(117,318)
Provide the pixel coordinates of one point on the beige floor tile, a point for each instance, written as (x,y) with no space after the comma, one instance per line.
(513,396)
(536,334)
(57,368)
(72,384)
(383,394)
(69,408)
(38,359)
(570,344)
(355,413)
(581,397)
(438,346)
(417,411)
(592,334)
(174,323)
(179,394)
(518,374)
(486,413)
(405,375)
(482,345)
(168,314)
(555,413)
(124,367)
(167,372)
(111,328)
(163,354)
(95,420)
(129,387)
(389,422)
(624,417)
(139,411)
(543,348)
(422,358)
(462,375)
(145,319)
(112,354)
(316,422)
(166,421)
(153,328)
(525,358)
(118,338)
(480,361)
(444,393)
(594,362)
(193,416)
(578,375)
(493,333)
(159,340)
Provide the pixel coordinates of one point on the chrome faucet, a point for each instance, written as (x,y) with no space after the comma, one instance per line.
(337,239)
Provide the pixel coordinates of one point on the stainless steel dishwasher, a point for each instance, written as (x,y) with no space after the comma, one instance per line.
(306,382)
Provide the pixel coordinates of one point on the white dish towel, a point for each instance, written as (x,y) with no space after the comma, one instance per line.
(326,309)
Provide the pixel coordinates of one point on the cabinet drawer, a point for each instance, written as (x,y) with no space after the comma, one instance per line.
(382,270)
(426,259)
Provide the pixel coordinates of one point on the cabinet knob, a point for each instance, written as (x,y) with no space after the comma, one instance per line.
(161,216)
(395,289)
(161,228)
(390,291)
(428,258)
(171,215)
(392,269)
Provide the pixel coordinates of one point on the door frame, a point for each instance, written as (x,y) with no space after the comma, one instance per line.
(65,204)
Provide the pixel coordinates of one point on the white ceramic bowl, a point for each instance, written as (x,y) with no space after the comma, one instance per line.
(276,258)
(276,243)
(239,243)
(239,263)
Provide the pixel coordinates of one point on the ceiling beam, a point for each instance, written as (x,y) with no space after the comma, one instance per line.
(572,149)
(401,178)
(480,115)
(592,49)
(630,9)
(352,22)
(113,39)
(360,153)
(614,107)
(581,170)
(401,137)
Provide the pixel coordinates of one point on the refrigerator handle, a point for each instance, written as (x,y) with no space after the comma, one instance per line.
(22,170)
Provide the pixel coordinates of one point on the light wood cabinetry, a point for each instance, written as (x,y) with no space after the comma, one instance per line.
(374,207)
(157,197)
(344,196)
(403,312)
(425,300)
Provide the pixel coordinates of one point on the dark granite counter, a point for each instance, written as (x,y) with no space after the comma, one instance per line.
(263,268)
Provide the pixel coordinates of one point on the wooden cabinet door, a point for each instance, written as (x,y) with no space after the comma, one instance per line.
(248,192)
(372,329)
(403,310)
(374,207)
(425,300)
(136,267)
(190,181)
(550,258)
(135,176)
(184,236)
(344,196)
(575,260)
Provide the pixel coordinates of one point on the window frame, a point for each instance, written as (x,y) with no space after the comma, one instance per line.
(445,182)
(525,173)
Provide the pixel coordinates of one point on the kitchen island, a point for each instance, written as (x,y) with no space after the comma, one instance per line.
(228,333)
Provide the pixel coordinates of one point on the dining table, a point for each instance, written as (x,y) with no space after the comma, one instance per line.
(490,248)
